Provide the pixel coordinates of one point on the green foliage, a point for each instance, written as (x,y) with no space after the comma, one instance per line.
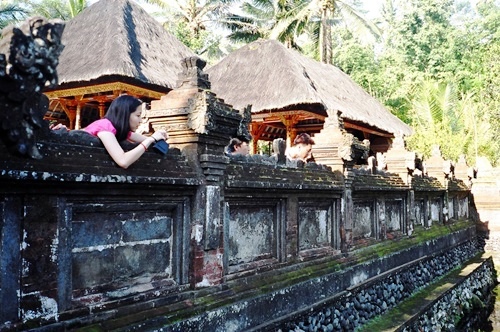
(437,69)
(358,61)
(76,7)
(440,116)
(51,9)
(10,13)
(194,23)
(203,43)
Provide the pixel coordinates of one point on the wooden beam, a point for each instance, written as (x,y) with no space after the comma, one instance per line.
(350,125)
(106,87)
(275,115)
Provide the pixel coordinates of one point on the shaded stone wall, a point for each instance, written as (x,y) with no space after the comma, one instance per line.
(79,232)
(377,295)
(95,237)
(463,307)
(84,241)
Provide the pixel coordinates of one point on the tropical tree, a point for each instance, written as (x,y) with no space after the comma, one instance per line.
(10,13)
(194,21)
(441,116)
(76,7)
(64,10)
(256,19)
(317,17)
(359,62)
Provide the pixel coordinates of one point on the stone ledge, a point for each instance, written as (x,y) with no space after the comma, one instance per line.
(255,300)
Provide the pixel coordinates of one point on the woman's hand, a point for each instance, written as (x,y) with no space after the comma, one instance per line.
(160,134)
(58,126)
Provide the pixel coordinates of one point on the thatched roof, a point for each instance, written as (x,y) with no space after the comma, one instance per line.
(117,38)
(271,77)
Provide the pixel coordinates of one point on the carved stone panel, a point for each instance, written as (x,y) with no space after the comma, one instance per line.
(435,210)
(419,213)
(451,208)
(363,221)
(463,207)
(394,215)
(315,225)
(122,248)
(252,235)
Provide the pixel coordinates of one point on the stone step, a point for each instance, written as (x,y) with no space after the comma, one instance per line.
(407,312)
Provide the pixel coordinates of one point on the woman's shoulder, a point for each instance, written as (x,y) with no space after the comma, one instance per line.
(291,152)
(100,125)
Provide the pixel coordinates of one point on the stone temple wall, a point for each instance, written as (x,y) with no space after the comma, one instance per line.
(84,242)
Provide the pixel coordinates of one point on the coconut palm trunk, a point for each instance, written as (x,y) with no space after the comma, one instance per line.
(325,34)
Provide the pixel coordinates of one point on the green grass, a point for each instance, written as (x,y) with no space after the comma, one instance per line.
(419,236)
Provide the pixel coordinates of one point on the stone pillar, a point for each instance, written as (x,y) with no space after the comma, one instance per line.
(201,125)
(441,169)
(347,221)
(340,151)
(463,172)
(380,219)
(437,167)
(327,143)
(400,161)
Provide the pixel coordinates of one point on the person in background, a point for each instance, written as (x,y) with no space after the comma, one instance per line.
(119,124)
(237,147)
(301,149)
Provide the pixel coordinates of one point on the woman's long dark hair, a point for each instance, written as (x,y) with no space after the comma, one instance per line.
(119,114)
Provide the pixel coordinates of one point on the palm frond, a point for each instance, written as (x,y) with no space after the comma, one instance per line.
(11,13)
(355,21)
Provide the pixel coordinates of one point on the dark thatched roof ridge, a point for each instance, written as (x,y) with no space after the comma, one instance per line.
(270,77)
(118,37)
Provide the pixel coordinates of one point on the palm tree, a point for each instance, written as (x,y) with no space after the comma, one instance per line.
(193,22)
(257,20)
(195,14)
(288,20)
(319,16)
(10,13)
(440,116)
(55,8)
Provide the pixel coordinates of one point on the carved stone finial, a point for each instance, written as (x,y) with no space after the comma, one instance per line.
(279,147)
(436,151)
(28,61)
(335,120)
(193,75)
(246,119)
(398,142)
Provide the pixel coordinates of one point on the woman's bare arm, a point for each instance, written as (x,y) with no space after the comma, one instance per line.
(122,158)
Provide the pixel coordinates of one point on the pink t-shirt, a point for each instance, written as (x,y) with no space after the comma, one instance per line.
(102,125)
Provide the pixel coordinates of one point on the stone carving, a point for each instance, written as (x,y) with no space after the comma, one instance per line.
(335,120)
(448,169)
(199,119)
(246,119)
(28,60)
(436,151)
(351,149)
(381,162)
(398,142)
(279,147)
(193,75)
